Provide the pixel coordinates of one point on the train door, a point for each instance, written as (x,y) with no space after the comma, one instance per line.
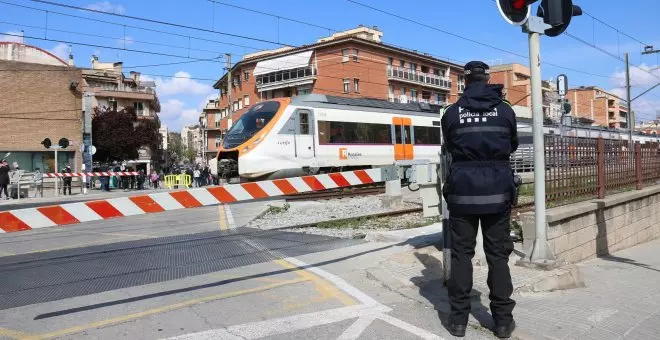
(403,148)
(305,135)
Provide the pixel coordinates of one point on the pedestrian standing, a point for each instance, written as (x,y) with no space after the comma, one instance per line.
(480,135)
(66,180)
(4,178)
(197,176)
(38,180)
(140,180)
(154,179)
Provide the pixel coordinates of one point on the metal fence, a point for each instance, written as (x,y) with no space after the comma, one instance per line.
(579,169)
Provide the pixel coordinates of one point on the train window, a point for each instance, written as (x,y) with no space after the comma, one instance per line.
(397,134)
(406,134)
(427,135)
(304,122)
(353,133)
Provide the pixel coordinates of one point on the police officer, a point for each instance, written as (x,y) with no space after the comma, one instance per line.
(66,180)
(480,135)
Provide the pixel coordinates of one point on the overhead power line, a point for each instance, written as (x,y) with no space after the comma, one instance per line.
(129,26)
(160,22)
(470,39)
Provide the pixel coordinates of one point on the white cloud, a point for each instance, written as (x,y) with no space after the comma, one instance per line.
(180,84)
(125,41)
(644,75)
(107,6)
(61,51)
(12,36)
(175,114)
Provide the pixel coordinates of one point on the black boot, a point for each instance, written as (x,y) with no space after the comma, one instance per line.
(504,331)
(457,330)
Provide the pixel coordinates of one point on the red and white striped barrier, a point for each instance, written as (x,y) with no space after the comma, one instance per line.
(71,213)
(96,174)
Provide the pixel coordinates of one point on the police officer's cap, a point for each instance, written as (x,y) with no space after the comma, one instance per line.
(476,67)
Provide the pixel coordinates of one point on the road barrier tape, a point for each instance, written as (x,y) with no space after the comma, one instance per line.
(72,213)
(93,174)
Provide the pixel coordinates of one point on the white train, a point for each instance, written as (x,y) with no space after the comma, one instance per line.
(313,134)
(310,134)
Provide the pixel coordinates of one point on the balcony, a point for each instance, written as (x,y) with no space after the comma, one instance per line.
(408,99)
(145,93)
(418,78)
(286,78)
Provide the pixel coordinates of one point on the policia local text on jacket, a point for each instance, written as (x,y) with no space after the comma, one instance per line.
(480,134)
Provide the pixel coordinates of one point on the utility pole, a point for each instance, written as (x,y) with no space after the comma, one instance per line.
(231,107)
(631,123)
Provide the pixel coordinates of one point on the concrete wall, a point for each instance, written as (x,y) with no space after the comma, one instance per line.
(586,230)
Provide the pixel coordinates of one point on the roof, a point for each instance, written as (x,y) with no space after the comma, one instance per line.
(294,50)
(31,58)
(367,103)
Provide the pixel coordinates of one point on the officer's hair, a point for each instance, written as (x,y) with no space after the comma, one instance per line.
(477,78)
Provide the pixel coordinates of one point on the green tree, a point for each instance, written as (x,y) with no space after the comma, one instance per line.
(119,134)
(175,147)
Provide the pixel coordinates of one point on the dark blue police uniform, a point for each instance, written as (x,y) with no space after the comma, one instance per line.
(480,134)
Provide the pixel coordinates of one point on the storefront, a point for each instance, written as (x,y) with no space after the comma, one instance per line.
(42,160)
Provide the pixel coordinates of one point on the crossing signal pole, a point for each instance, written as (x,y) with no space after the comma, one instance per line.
(553,17)
(63,143)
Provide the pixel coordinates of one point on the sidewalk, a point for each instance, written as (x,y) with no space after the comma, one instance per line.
(621,298)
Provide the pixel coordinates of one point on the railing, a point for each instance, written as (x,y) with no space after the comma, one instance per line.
(579,169)
(407,99)
(417,77)
(286,76)
(125,89)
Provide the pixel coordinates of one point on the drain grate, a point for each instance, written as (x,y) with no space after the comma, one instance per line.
(42,277)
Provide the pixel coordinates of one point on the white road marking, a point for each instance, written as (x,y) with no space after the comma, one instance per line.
(337,281)
(357,328)
(422,333)
(230,218)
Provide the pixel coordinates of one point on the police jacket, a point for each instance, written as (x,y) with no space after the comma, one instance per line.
(480,134)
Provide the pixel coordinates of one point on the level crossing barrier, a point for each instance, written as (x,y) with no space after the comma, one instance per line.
(91,174)
(72,213)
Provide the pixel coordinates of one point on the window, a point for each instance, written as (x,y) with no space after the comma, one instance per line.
(354,133)
(304,122)
(427,135)
(436,71)
(356,83)
(217,120)
(235,105)
(246,100)
(413,93)
(390,61)
(344,53)
(246,75)
(390,91)
(139,108)
(413,66)
(347,86)
(460,83)
(218,140)
(355,55)
(240,104)
(402,63)
(397,134)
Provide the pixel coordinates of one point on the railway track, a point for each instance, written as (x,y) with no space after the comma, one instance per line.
(338,193)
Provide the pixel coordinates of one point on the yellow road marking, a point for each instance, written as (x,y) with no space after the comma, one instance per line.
(326,289)
(12,334)
(223,217)
(149,312)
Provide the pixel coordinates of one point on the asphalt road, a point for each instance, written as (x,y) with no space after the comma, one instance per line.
(191,274)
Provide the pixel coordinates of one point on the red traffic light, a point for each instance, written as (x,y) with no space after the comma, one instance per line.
(518,4)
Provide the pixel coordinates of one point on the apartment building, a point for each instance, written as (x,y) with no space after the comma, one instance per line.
(191,139)
(352,63)
(602,107)
(516,79)
(212,128)
(112,90)
(650,128)
(40,97)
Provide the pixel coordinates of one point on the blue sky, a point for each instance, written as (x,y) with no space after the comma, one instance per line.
(181,98)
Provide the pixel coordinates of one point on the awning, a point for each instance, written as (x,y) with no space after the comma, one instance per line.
(288,62)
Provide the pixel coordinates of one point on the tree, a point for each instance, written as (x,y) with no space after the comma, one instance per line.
(190,154)
(119,134)
(175,147)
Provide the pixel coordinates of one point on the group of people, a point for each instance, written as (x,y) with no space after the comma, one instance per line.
(201,176)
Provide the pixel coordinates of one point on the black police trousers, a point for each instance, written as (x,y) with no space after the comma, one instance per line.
(498,245)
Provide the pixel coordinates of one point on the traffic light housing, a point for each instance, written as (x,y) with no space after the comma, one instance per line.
(63,143)
(558,14)
(515,12)
(46,143)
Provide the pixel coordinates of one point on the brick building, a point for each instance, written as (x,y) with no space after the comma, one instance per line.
(352,63)
(516,79)
(604,108)
(41,96)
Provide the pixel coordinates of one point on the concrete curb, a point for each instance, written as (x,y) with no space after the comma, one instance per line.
(417,237)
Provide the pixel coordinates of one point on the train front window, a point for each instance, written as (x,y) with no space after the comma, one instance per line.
(250,123)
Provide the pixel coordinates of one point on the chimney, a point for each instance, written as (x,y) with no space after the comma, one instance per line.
(70,57)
